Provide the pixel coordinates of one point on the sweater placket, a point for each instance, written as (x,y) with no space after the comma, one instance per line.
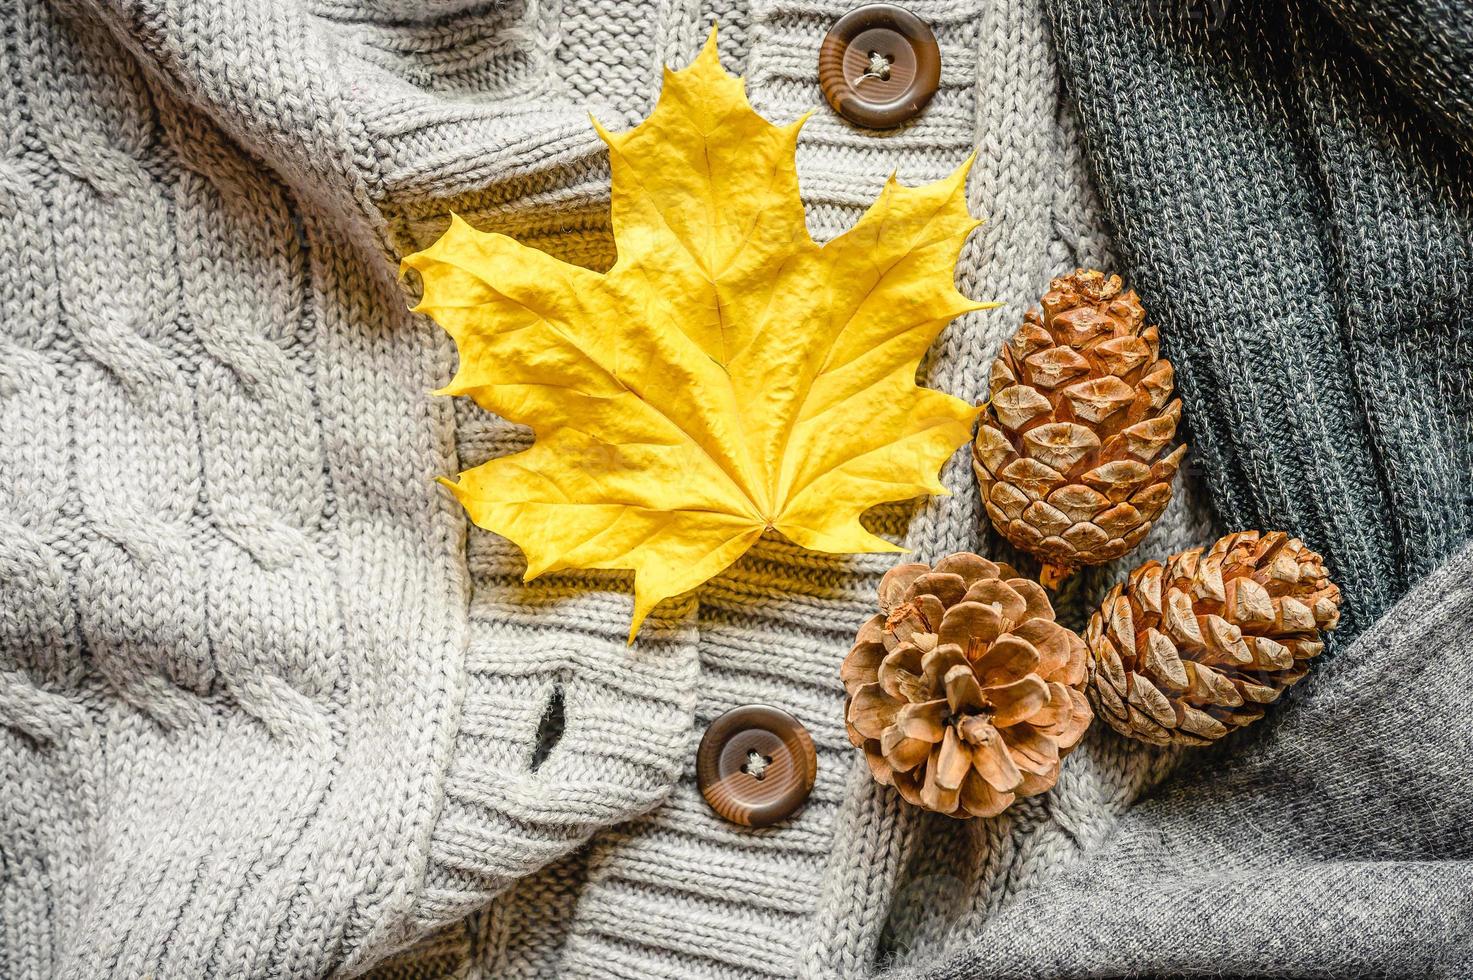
(680,892)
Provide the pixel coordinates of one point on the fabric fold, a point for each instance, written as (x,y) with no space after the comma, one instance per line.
(1424,49)
(1329,840)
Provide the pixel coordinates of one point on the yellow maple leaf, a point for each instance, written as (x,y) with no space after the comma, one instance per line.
(726,376)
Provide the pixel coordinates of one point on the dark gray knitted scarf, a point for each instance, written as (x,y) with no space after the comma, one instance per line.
(1291,189)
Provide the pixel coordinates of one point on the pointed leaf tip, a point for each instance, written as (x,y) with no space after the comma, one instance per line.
(707,61)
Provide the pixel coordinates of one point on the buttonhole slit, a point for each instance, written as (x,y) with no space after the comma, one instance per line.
(549,727)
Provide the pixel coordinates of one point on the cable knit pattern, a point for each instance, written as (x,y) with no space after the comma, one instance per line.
(48,746)
(270,707)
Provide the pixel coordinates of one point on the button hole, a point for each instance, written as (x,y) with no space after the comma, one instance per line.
(756,764)
(549,728)
(879,66)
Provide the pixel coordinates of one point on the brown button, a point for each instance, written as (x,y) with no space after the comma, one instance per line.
(756,765)
(879,65)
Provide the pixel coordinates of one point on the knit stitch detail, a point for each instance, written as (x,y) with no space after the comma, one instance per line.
(247,615)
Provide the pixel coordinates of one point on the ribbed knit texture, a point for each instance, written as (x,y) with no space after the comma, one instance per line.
(1299,210)
(270,708)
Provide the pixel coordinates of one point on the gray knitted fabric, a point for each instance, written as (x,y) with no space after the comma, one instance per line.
(1332,840)
(269,707)
(1291,186)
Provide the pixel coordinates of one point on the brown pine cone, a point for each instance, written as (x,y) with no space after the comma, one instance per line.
(1191,650)
(964,693)
(1068,455)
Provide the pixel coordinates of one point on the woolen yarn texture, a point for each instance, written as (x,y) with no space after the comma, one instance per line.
(1290,185)
(270,707)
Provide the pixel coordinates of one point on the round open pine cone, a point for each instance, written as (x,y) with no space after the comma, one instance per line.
(964,693)
(1188,651)
(1068,455)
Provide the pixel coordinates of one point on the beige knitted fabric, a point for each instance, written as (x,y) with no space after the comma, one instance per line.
(269,707)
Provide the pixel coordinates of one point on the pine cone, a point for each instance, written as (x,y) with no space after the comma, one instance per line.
(964,693)
(1068,455)
(1191,650)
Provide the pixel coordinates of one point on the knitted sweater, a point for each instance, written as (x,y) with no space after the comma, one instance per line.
(270,708)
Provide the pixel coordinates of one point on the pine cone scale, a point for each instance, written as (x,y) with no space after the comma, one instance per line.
(1190,650)
(1069,456)
(963,691)
(991,758)
(1034,752)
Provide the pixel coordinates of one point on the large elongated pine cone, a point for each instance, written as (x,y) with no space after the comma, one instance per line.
(1188,651)
(1068,455)
(964,693)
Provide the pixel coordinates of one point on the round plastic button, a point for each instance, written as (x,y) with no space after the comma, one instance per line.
(879,65)
(756,765)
